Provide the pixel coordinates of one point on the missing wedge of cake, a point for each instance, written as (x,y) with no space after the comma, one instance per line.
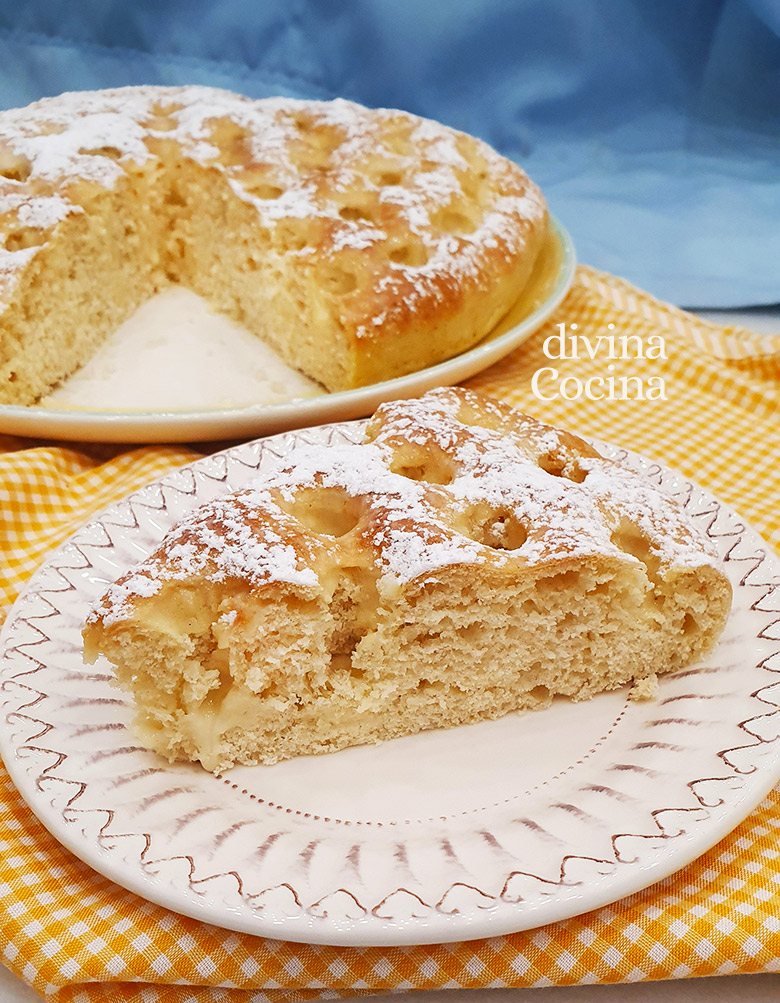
(461,562)
(361,244)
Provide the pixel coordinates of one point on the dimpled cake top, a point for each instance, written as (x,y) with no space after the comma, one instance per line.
(451,478)
(433,201)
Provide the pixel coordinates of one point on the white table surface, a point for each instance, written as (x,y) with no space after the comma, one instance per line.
(761,988)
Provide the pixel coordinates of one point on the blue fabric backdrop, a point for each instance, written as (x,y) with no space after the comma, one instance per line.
(652,125)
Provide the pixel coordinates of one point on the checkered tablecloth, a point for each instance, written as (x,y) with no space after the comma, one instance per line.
(711,409)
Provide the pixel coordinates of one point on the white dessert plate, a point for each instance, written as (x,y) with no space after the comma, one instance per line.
(448,835)
(218,361)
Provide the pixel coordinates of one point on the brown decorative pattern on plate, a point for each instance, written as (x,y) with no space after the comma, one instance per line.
(437,837)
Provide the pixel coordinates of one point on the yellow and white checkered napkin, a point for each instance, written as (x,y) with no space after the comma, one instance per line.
(711,409)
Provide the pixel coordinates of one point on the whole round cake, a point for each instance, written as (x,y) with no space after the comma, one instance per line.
(360,243)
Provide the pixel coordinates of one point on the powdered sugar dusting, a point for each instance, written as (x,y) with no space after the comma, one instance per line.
(37,212)
(19,213)
(220,541)
(225,541)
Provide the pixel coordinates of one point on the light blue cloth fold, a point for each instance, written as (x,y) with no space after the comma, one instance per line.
(653,126)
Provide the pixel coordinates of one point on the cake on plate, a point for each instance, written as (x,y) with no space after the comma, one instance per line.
(459,562)
(361,244)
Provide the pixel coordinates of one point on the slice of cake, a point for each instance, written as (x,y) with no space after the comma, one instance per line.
(462,562)
(360,243)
